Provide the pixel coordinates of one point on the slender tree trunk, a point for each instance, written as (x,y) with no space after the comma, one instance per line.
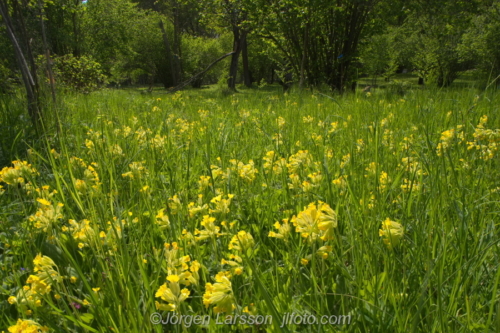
(169,54)
(233,68)
(244,56)
(29,77)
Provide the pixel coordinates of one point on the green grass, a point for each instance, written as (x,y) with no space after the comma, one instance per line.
(121,157)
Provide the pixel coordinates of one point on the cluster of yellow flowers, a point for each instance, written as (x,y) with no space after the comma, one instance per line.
(47,214)
(391,233)
(37,285)
(179,272)
(486,141)
(247,171)
(17,174)
(27,326)
(316,221)
(447,138)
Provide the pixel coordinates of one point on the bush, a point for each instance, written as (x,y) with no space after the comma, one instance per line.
(81,74)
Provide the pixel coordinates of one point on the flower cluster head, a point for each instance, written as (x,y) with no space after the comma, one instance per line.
(247,172)
(316,221)
(38,284)
(199,208)
(392,233)
(487,141)
(272,162)
(210,229)
(137,169)
(283,230)
(171,293)
(162,220)
(242,241)
(220,294)
(301,158)
(27,326)
(82,231)
(17,174)
(178,264)
(46,215)
(221,205)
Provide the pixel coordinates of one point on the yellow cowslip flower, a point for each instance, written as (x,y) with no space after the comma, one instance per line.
(44,202)
(345,160)
(12,300)
(82,231)
(383,181)
(204,182)
(162,220)
(307,120)
(316,221)
(241,241)
(174,203)
(304,261)
(280,121)
(96,290)
(43,263)
(17,174)
(210,231)
(220,294)
(333,127)
(324,251)
(73,279)
(301,158)
(47,214)
(295,181)
(27,326)
(195,210)
(283,230)
(170,292)
(80,185)
(392,233)
(221,205)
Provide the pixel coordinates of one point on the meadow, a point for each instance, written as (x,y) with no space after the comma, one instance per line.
(378,210)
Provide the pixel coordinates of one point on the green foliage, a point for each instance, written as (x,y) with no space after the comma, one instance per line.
(82,74)
(199,52)
(6,79)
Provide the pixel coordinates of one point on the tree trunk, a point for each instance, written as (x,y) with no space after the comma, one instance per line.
(29,78)
(233,68)
(169,54)
(247,80)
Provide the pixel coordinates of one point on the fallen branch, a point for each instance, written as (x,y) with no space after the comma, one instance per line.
(185,83)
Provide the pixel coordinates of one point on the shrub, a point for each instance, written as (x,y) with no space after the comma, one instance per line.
(81,74)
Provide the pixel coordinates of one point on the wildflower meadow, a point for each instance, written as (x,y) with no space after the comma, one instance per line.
(254,212)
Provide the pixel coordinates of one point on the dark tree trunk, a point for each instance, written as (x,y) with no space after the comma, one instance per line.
(28,75)
(420,80)
(233,68)
(247,79)
(170,59)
